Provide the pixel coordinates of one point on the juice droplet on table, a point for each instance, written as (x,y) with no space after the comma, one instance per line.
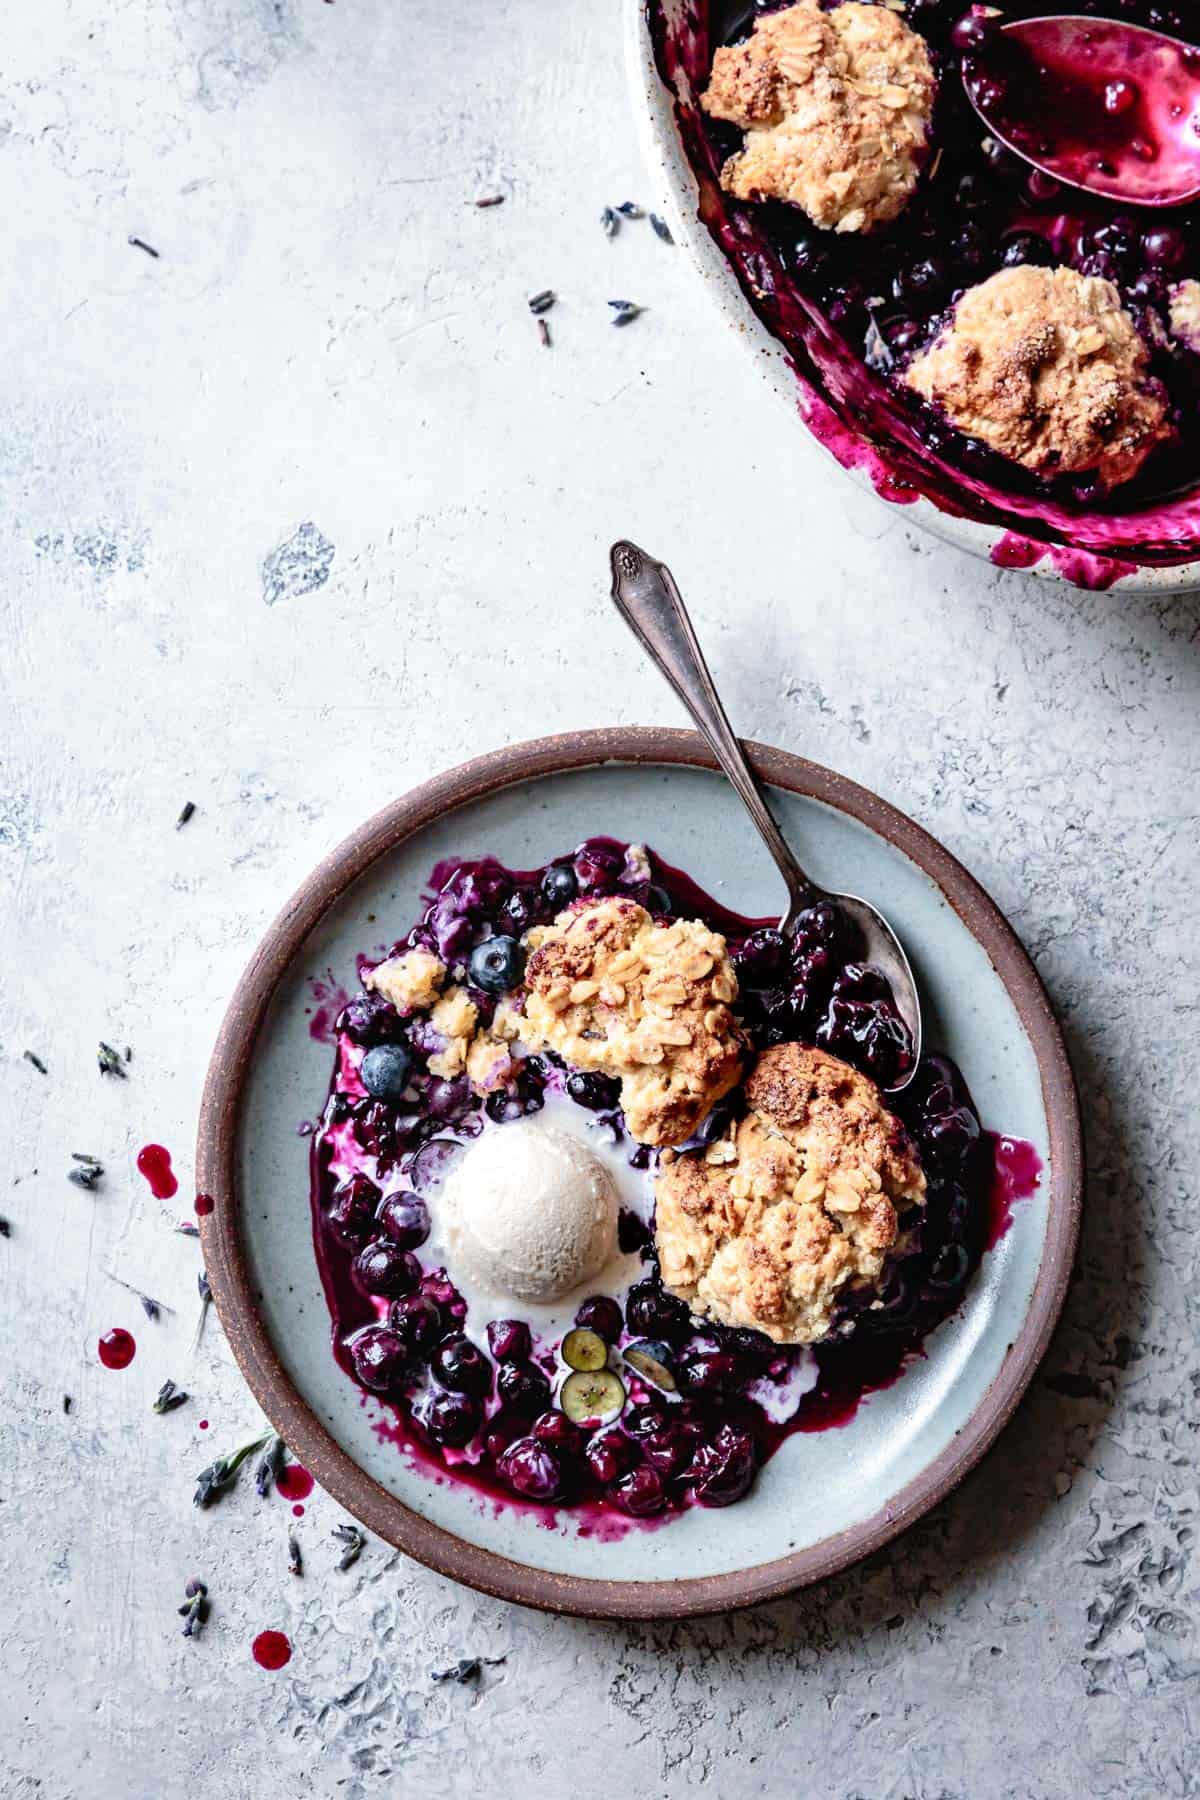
(116,1348)
(294,1482)
(155,1164)
(271,1650)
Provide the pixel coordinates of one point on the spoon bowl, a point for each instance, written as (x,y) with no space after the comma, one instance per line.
(1108,107)
(645,594)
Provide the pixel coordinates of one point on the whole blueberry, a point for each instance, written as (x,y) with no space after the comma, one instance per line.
(509,1340)
(609,1455)
(921,283)
(825,924)
(601,1314)
(642,1421)
(384,1268)
(351,1212)
(370,1019)
(599,1093)
(385,1070)
(446,1297)
(447,1417)
(651,1312)
(1026,247)
(416,1320)
(459,1364)
(975,32)
(1165,247)
(723,1469)
(560,1433)
(597,868)
(759,957)
(559,886)
(520,911)
(641,1493)
(497,965)
(405,1218)
(522,1386)
(708,1370)
(380,1357)
(531,1470)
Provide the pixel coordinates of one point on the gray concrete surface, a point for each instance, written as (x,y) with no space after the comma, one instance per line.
(296,513)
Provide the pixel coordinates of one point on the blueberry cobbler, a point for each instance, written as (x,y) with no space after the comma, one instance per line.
(965,326)
(609,1195)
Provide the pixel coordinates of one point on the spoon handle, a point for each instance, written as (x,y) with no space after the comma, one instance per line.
(645,595)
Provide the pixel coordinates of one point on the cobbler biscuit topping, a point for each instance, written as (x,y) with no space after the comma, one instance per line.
(1185,313)
(1047,367)
(611,990)
(835,107)
(767,1228)
(411,982)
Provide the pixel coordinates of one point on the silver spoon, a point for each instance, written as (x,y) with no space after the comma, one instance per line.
(645,595)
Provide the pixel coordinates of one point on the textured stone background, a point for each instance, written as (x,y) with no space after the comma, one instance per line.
(301,511)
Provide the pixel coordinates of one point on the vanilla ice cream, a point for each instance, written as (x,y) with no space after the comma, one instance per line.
(530,1212)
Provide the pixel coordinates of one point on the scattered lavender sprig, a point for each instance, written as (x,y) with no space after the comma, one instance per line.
(467,1668)
(205,1293)
(151,1307)
(212,1483)
(267,1473)
(295,1560)
(625,311)
(610,222)
(354,1540)
(195,1608)
(32,1057)
(629,209)
(189,809)
(110,1061)
(542,301)
(168,1398)
(661,229)
(90,1172)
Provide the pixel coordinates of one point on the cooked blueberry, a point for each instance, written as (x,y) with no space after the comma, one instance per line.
(921,282)
(405,1218)
(523,1387)
(723,1469)
(975,32)
(459,1364)
(416,1319)
(1026,247)
(520,911)
(446,1297)
(1165,247)
(554,1428)
(385,1070)
(384,1268)
(601,1314)
(670,1448)
(370,1019)
(351,1212)
(640,1421)
(707,1370)
(652,1312)
(531,1470)
(641,1492)
(597,868)
(497,965)
(825,924)
(559,886)
(509,1340)
(609,1455)
(380,1357)
(501,1430)
(759,957)
(599,1093)
(449,1418)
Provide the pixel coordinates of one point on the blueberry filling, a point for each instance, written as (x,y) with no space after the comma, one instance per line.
(638,1409)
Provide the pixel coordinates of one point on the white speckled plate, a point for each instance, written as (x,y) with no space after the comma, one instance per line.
(824,1499)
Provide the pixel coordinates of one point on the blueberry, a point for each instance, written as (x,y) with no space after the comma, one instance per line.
(597,869)
(609,1455)
(380,1357)
(651,1311)
(385,1070)
(384,1268)
(560,1433)
(351,1212)
(559,886)
(509,1340)
(370,1019)
(446,1298)
(459,1364)
(416,1321)
(1025,247)
(602,1315)
(666,1451)
(447,1417)
(523,1387)
(707,1371)
(641,1492)
(599,1093)
(759,957)
(531,1470)
(497,965)
(975,32)
(723,1469)
(971,246)
(520,911)
(1165,247)
(405,1218)
(824,924)
(921,282)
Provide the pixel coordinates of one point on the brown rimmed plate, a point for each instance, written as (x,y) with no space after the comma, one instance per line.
(826,1499)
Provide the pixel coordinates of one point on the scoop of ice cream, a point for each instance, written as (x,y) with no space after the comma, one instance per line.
(835,107)
(1047,367)
(530,1212)
(766,1228)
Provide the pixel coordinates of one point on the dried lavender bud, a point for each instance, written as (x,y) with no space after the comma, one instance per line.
(629,209)
(151,1307)
(490,200)
(195,1608)
(295,1560)
(37,1062)
(138,243)
(212,1482)
(661,229)
(467,1668)
(189,808)
(88,1175)
(110,1061)
(625,311)
(168,1398)
(610,222)
(544,334)
(186,1228)
(543,301)
(267,1473)
(353,1539)
(67,1403)
(5,1227)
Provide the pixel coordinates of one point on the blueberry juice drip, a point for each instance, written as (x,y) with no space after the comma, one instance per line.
(853,309)
(404,1331)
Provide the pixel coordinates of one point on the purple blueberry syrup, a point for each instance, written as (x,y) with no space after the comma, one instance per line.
(851,310)
(479,1398)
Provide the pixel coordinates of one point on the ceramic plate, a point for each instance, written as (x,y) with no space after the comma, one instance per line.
(825,1499)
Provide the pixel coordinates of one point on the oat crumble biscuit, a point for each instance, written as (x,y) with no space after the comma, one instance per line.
(456,1017)
(836,109)
(1185,313)
(767,1228)
(611,990)
(412,982)
(1047,367)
